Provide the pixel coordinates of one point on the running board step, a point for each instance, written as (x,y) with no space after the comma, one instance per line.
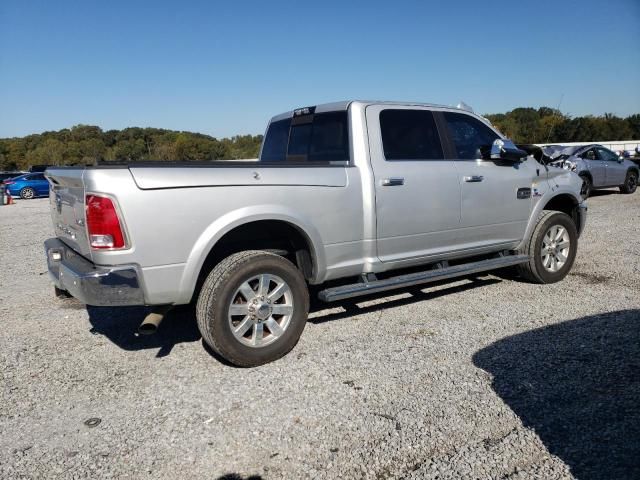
(428,276)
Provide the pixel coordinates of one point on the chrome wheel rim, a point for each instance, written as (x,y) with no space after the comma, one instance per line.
(556,245)
(260,310)
(27,193)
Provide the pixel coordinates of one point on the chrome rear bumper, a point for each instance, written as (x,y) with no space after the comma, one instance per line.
(89,283)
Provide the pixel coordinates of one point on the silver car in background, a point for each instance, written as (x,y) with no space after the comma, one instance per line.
(598,167)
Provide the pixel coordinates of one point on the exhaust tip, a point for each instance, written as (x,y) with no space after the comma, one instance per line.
(151,322)
(147,329)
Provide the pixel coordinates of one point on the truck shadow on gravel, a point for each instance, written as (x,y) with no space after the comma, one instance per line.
(416,294)
(603,193)
(577,384)
(120,324)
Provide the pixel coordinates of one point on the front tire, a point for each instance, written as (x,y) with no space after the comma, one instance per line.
(630,183)
(27,193)
(587,185)
(552,248)
(253,307)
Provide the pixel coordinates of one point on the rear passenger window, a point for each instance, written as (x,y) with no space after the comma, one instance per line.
(322,137)
(469,135)
(410,135)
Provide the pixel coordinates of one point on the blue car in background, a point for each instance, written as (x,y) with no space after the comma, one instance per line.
(29,185)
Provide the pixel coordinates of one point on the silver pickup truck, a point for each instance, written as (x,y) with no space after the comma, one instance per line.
(346,199)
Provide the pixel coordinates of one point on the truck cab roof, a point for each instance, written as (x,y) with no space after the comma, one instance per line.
(344,105)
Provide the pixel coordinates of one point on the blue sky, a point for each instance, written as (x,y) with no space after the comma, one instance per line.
(224,68)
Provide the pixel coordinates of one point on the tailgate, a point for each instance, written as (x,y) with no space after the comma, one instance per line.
(66,200)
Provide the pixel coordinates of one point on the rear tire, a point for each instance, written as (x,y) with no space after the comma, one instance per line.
(253,307)
(552,248)
(630,183)
(27,193)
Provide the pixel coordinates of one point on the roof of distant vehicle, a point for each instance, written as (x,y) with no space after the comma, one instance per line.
(9,175)
(23,175)
(555,151)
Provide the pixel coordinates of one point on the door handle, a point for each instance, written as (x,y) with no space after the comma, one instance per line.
(392,182)
(474,178)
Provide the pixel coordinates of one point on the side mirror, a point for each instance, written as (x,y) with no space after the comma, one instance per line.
(506,150)
(620,159)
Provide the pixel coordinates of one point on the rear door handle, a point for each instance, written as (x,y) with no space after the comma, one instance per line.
(474,178)
(392,182)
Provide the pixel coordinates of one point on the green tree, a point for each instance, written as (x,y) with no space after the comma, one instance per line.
(634,125)
(130,150)
(49,152)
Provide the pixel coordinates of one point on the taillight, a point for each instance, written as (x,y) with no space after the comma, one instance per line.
(103,223)
(8,183)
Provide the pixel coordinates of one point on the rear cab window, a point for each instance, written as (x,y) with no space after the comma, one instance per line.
(308,138)
(469,135)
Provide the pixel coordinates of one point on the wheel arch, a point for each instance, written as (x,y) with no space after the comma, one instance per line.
(566,203)
(562,201)
(586,173)
(266,228)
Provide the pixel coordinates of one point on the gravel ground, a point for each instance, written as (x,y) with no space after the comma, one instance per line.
(483,378)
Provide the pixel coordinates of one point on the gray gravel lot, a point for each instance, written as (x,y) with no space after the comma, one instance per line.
(484,378)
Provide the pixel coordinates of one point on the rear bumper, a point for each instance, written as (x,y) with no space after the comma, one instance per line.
(89,283)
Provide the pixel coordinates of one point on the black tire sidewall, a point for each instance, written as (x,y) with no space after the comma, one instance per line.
(564,220)
(226,343)
(627,188)
(587,186)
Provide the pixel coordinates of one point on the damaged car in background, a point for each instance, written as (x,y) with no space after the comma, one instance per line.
(598,167)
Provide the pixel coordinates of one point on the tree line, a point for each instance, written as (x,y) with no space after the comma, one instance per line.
(549,125)
(87,144)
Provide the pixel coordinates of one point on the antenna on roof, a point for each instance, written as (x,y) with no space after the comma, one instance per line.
(464,106)
(552,118)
